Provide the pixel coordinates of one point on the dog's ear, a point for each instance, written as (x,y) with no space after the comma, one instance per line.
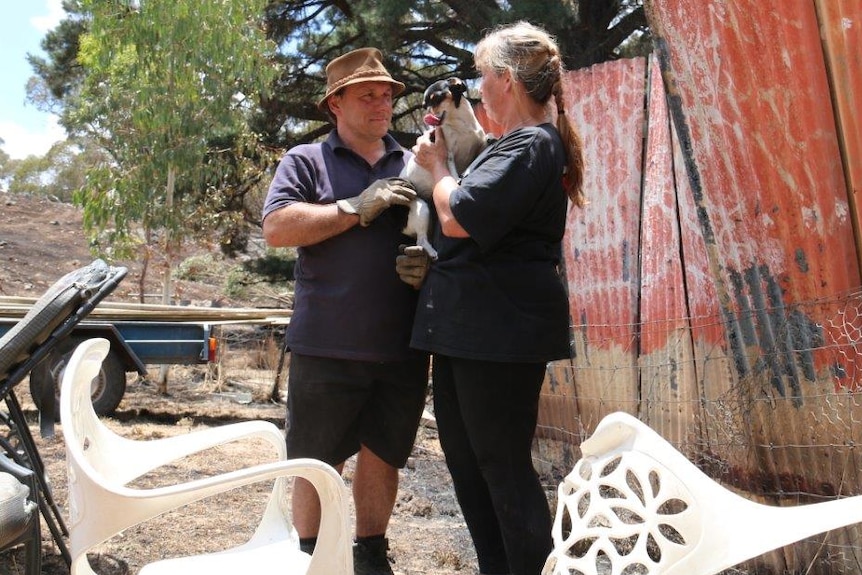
(457,88)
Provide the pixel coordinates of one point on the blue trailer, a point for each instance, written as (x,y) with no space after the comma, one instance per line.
(134,345)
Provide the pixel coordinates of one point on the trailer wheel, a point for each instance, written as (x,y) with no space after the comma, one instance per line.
(107,389)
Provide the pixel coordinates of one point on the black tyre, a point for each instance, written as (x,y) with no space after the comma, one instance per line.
(108,388)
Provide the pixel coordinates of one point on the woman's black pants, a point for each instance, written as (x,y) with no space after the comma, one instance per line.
(486,415)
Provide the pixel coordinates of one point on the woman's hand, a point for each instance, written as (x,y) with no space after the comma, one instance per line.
(432,154)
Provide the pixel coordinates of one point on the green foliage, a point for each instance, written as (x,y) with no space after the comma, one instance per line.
(237,282)
(26,175)
(423,41)
(58,174)
(268,273)
(274,267)
(161,81)
(5,169)
(198,268)
(59,75)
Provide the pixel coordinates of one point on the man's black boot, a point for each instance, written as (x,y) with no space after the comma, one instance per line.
(370,556)
(307,545)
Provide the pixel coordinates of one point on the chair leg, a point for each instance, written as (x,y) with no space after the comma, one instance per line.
(33,550)
(31,538)
(33,455)
(33,546)
(33,460)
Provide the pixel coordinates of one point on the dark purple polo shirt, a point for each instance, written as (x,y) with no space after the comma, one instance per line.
(349,302)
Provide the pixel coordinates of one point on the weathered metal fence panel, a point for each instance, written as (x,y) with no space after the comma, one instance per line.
(714,278)
(601,254)
(753,106)
(749,203)
(668,389)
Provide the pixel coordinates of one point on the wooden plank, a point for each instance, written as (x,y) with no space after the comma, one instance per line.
(841,29)
(17,307)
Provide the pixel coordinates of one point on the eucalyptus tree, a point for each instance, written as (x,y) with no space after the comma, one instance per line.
(57,174)
(166,86)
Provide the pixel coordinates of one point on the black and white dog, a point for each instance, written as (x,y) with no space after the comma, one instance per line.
(447,106)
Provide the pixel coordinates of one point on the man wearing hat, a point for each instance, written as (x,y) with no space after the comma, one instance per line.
(354,386)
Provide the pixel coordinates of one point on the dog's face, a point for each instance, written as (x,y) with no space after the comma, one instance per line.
(441,95)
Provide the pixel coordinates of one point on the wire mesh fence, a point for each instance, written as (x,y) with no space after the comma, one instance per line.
(764,399)
(251,362)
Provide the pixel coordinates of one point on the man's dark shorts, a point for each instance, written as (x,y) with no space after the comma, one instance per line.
(334,405)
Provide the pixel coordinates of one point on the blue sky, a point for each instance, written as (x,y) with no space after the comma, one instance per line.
(23,128)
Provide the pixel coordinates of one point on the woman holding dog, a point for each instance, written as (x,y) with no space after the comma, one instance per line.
(493,309)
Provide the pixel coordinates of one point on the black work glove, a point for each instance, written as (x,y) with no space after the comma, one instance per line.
(377,197)
(412,265)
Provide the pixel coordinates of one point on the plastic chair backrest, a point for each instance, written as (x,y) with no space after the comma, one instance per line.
(634,504)
(100,464)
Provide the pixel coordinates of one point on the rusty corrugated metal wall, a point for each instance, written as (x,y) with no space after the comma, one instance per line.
(714,278)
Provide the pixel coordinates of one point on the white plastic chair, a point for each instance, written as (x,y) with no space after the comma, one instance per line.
(637,505)
(101,463)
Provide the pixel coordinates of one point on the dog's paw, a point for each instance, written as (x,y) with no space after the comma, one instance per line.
(426,245)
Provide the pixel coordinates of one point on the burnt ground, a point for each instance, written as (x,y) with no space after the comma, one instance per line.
(40,240)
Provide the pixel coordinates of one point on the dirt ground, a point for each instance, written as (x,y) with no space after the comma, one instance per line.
(39,241)
(427,534)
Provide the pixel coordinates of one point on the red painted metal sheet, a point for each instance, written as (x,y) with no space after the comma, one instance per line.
(750,80)
(669,392)
(759,235)
(601,242)
(752,89)
(762,145)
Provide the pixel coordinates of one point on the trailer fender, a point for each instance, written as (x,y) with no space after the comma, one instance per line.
(119,347)
(108,387)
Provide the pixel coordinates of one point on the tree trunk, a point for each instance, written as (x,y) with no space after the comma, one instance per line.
(169,269)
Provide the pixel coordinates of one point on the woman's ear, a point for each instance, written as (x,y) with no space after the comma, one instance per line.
(508,79)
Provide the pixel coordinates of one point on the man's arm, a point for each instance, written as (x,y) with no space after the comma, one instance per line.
(304,224)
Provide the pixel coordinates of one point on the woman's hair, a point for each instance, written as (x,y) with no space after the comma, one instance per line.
(533,58)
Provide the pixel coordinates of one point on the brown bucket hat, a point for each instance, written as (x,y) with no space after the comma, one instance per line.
(362,65)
